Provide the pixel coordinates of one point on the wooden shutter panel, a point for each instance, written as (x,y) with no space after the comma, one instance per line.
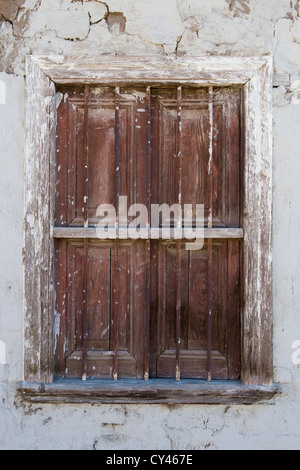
(132,278)
(226,253)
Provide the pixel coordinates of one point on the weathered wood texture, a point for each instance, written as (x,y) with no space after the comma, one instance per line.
(194,313)
(257,331)
(101,283)
(255,75)
(38,242)
(72,232)
(150,392)
(185,139)
(156,70)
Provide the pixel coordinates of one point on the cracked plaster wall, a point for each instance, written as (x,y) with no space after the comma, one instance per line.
(192,27)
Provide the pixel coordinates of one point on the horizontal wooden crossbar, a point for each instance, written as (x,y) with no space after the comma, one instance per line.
(215,233)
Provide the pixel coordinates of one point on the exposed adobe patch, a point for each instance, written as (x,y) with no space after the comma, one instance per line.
(116,22)
(239,7)
(8,9)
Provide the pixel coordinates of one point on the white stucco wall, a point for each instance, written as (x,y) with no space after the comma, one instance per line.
(192,27)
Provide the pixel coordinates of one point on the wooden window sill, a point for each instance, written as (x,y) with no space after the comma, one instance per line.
(156,391)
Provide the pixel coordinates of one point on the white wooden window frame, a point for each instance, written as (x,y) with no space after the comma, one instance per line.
(254,74)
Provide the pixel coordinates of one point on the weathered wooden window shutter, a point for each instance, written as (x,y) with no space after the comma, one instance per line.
(118,308)
(148,308)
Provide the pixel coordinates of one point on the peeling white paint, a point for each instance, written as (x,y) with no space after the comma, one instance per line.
(59,98)
(31,221)
(139,95)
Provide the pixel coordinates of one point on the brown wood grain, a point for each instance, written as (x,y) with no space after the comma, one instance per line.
(152,392)
(178,174)
(255,264)
(102,69)
(39,219)
(79,233)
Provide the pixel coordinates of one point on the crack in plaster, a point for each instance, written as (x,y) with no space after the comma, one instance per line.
(188,25)
(39,35)
(75,39)
(25,19)
(19,8)
(99,2)
(179,39)
(138,35)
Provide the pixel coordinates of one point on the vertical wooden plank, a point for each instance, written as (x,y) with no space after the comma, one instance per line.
(79,162)
(154,314)
(115,312)
(178,244)
(72,275)
(85,310)
(233,320)
(167,129)
(99,296)
(233,142)
(210,161)
(156,272)
(161,329)
(86,156)
(220,333)
(168,265)
(85,224)
(210,223)
(78,294)
(198,299)
(71,169)
(178,309)
(124,321)
(257,331)
(185,295)
(142,262)
(148,244)
(38,243)
(60,252)
(140,306)
(194,150)
(102,149)
(61,164)
(60,285)
(210,305)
